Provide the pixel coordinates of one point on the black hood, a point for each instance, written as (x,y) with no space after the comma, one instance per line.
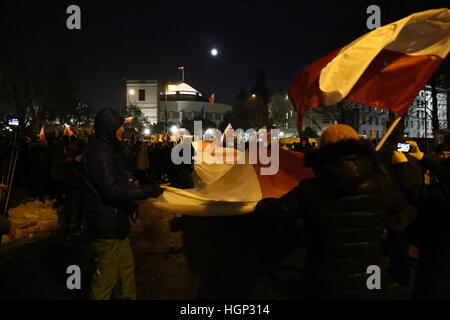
(345,165)
(107,121)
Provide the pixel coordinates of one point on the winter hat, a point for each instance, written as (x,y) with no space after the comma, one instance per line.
(337,133)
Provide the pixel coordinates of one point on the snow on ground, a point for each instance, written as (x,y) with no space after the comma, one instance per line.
(33,219)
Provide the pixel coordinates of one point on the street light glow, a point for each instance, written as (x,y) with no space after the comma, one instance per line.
(253,95)
(172,87)
(131,92)
(214,52)
(173,129)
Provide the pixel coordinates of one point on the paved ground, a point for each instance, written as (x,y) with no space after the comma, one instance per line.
(176,258)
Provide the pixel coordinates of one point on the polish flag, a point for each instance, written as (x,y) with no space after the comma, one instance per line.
(68,132)
(223,189)
(42,134)
(128,120)
(181,68)
(211,99)
(385,68)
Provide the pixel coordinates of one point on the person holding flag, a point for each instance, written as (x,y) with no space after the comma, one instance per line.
(345,209)
(108,200)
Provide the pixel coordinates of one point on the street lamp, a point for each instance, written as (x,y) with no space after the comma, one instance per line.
(253,96)
(131,92)
(173,129)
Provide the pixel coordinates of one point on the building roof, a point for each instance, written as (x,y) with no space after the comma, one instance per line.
(182,88)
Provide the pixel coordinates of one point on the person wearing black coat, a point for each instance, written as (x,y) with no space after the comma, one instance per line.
(6,226)
(346,209)
(73,181)
(431,231)
(108,200)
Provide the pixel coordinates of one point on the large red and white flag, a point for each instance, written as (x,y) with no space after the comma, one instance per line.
(385,68)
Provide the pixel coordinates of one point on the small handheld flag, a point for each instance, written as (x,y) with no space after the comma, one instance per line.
(128,120)
(42,134)
(68,131)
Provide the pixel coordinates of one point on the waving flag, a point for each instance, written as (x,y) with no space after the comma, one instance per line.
(385,68)
(128,120)
(232,189)
(211,99)
(42,134)
(67,131)
(182,73)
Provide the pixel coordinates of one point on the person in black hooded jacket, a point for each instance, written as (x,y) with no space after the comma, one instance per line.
(108,198)
(346,209)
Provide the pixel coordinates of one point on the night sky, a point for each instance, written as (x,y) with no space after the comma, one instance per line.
(149,40)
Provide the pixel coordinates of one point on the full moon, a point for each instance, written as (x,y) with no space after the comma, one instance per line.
(214,52)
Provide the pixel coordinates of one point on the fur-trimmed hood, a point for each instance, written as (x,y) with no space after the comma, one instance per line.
(345,165)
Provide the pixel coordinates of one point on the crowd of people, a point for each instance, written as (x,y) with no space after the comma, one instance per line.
(356,196)
(303,146)
(358,200)
(50,168)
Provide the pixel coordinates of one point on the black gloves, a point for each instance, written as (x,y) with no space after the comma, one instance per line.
(153,190)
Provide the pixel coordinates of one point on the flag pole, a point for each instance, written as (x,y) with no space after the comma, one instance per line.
(387,134)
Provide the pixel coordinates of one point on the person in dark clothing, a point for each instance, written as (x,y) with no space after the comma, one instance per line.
(108,198)
(6,226)
(73,180)
(41,169)
(431,231)
(182,174)
(58,159)
(346,209)
(397,243)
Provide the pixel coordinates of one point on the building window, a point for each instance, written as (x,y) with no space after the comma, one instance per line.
(141,94)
